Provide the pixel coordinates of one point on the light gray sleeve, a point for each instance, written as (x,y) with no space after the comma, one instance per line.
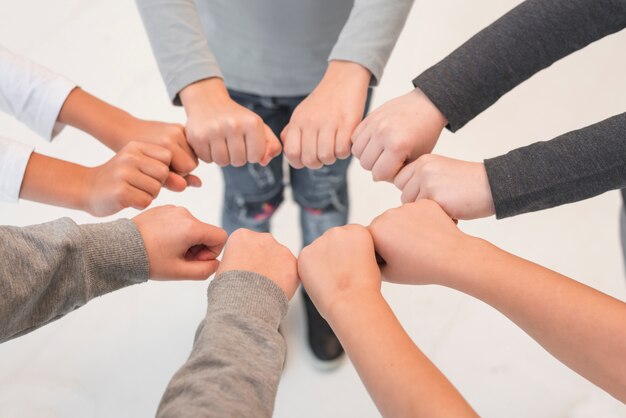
(178,43)
(48,270)
(370,34)
(237,357)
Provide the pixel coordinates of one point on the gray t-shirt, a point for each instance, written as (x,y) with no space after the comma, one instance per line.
(269,47)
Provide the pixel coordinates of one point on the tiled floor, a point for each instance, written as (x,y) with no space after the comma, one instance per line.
(114,357)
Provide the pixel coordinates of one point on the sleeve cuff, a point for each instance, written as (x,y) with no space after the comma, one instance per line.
(371,62)
(14,158)
(195,72)
(249,294)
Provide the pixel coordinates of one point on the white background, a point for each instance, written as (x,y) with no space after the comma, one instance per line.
(114,357)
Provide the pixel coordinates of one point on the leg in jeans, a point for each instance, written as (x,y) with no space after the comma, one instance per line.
(252,193)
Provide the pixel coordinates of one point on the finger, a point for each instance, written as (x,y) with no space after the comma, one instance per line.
(146,184)
(342,144)
(182,161)
(309,149)
(360,141)
(255,143)
(219,152)
(411,190)
(139,199)
(156,152)
(154,168)
(175,182)
(193,181)
(371,154)
(386,167)
(326,146)
(236,149)
(210,236)
(404,176)
(273,146)
(360,128)
(292,146)
(197,270)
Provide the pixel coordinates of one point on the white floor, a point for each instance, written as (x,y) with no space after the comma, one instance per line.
(114,357)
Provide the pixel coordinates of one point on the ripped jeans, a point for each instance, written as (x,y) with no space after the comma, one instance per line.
(252,193)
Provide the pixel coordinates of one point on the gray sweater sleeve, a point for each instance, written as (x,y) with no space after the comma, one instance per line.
(178,43)
(237,356)
(572,167)
(524,41)
(48,270)
(371,32)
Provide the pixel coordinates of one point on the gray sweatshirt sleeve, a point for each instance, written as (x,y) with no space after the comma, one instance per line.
(48,270)
(524,41)
(371,32)
(237,356)
(171,24)
(572,167)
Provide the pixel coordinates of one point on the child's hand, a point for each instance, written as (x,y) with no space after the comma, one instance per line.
(397,132)
(338,267)
(172,137)
(419,243)
(262,254)
(461,188)
(320,128)
(132,178)
(178,245)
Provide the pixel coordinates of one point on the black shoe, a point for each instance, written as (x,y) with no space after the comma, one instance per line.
(322,340)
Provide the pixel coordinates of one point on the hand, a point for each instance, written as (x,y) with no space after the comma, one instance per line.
(221,131)
(419,243)
(178,245)
(262,254)
(339,266)
(172,137)
(396,133)
(461,188)
(320,128)
(133,178)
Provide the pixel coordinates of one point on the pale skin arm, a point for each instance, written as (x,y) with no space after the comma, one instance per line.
(398,376)
(577,324)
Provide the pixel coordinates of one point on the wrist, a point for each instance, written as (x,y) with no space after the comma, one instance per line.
(347,72)
(200,93)
(351,303)
(422,100)
(467,261)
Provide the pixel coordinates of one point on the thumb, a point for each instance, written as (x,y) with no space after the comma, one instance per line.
(197,270)
(403,177)
(193,181)
(210,236)
(175,182)
(273,147)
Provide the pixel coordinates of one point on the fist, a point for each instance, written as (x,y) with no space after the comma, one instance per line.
(178,245)
(260,253)
(396,133)
(461,188)
(339,265)
(419,243)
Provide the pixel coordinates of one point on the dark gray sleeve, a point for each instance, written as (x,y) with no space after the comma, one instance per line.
(237,356)
(572,167)
(48,270)
(524,41)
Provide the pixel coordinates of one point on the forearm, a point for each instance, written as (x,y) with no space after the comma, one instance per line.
(187,59)
(51,269)
(521,43)
(577,324)
(54,182)
(238,353)
(370,34)
(107,123)
(572,167)
(399,377)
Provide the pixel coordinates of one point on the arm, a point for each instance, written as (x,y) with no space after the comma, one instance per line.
(49,270)
(237,357)
(572,167)
(521,43)
(577,324)
(321,126)
(399,377)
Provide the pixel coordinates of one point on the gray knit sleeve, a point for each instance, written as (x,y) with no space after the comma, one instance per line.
(48,270)
(524,41)
(237,356)
(371,32)
(572,167)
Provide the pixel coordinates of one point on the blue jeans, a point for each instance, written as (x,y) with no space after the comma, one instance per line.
(252,193)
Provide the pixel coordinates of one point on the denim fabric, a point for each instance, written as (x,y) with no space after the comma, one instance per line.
(252,193)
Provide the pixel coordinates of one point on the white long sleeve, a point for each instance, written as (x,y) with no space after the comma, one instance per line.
(34,95)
